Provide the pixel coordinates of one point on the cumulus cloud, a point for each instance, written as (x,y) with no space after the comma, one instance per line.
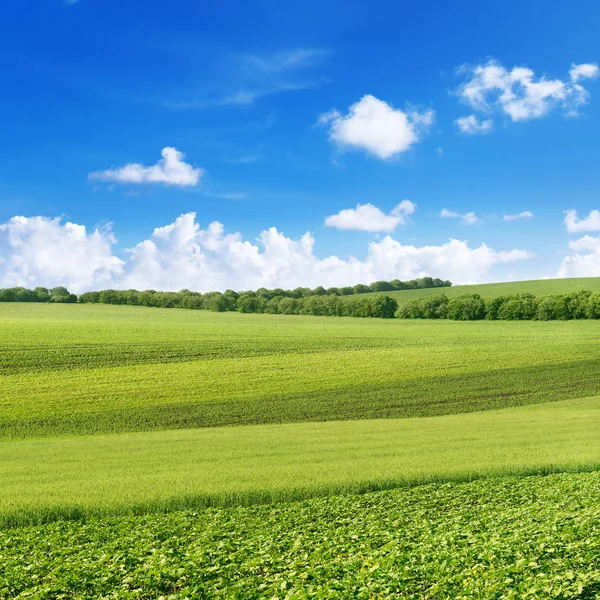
(367,217)
(526,214)
(471,125)
(469,218)
(585,260)
(171,169)
(520,94)
(376,127)
(44,251)
(577,225)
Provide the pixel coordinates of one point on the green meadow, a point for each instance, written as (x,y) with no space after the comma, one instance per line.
(537,287)
(73,370)
(148,452)
(158,471)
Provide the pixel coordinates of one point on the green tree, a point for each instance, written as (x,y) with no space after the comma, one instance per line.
(248,303)
(468,307)
(383,307)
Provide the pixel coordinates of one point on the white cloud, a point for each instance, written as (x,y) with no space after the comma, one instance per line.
(376,127)
(42,251)
(526,214)
(471,125)
(576,225)
(469,218)
(462,263)
(520,94)
(367,217)
(171,169)
(585,260)
(583,71)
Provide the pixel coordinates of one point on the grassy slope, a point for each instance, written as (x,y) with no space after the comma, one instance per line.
(539,287)
(537,537)
(156,471)
(72,369)
(93,369)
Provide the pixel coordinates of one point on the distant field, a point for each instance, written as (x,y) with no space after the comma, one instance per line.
(532,537)
(538,287)
(241,465)
(70,369)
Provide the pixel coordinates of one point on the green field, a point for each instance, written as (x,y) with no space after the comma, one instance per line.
(116,421)
(513,538)
(102,369)
(240,465)
(537,287)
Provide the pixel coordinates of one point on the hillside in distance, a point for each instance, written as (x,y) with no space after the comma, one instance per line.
(538,287)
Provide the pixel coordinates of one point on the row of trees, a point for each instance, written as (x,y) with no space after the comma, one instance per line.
(380,306)
(468,307)
(39,294)
(376,286)
(228,300)
(251,302)
(216,301)
(517,307)
(183,299)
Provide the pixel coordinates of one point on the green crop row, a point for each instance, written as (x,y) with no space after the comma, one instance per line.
(510,538)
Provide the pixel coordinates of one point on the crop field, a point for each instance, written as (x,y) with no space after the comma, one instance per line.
(148,452)
(240,465)
(532,537)
(106,369)
(538,287)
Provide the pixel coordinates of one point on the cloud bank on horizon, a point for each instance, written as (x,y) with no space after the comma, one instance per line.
(584,260)
(46,251)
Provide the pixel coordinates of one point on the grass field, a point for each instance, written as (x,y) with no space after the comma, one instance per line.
(241,465)
(112,416)
(538,287)
(103,369)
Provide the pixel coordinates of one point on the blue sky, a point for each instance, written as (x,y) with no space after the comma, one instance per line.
(287,114)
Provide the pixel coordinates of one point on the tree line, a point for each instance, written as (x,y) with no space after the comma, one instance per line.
(210,300)
(268,294)
(516,307)
(299,301)
(40,294)
(251,302)
(468,307)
